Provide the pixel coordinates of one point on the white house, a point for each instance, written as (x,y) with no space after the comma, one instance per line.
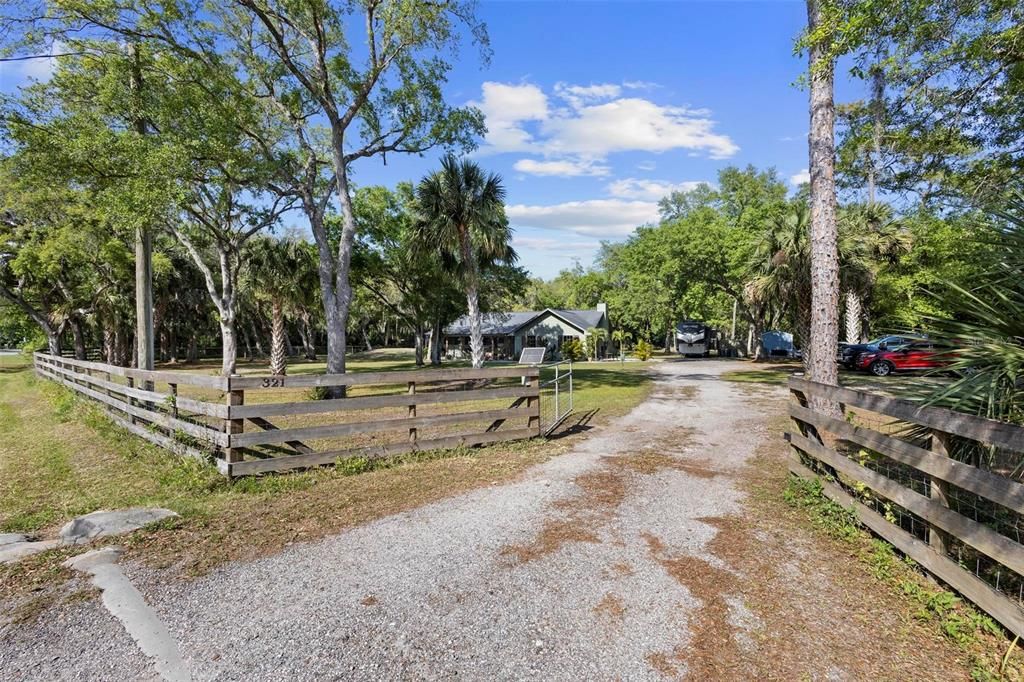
(506,334)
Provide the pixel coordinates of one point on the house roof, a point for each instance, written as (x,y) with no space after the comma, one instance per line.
(503,324)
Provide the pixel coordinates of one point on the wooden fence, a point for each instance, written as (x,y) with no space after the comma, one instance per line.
(961,522)
(253,424)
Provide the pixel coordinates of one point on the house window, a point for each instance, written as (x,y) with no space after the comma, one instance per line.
(567,337)
(531,341)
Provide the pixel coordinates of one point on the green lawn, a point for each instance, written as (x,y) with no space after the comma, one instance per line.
(60,457)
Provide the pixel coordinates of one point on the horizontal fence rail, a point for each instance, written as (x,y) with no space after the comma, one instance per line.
(287,424)
(961,521)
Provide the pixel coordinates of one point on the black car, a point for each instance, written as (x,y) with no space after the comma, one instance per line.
(850,352)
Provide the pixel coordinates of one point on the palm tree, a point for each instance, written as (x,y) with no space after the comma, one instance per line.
(595,335)
(460,213)
(621,337)
(275,272)
(870,239)
(781,269)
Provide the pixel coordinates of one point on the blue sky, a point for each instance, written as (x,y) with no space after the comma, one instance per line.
(597,109)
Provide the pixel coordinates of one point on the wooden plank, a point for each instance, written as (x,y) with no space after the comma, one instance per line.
(973,588)
(981,537)
(198,430)
(187,404)
(388,378)
(939,492)
(996,433)
(233,427)
(413,433)
(498,423)
(144,375)
(258,466)
(159,439)
(295,444)
(1000,489)
(378,402)
(334,430)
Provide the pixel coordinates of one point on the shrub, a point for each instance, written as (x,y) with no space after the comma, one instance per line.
(572,350)
(644,350)
(317,393)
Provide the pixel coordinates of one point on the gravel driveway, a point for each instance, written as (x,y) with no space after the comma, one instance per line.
(582,569)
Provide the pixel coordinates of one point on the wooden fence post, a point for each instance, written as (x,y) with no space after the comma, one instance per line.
(131,400)
(413,435)
(534,400)
(233,426)
(938,539)
(174,400)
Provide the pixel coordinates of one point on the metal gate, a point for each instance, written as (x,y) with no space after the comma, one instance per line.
(556,399)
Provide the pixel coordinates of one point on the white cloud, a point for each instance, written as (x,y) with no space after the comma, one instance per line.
(37,69)
(640,85)
(549,244)
(597,123)
(601,218)
(578,95)
(565,168)
(803,177)
(650,190)
(506,108)
(646,166)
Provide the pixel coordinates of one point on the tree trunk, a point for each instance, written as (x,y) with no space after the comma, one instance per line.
(854,313)
(366,336)
(418,343)
(278,356)
(78,334)
(339,299)
(435,343)
(820,351)
(247,340)
(229,350)
(306,334)
(108,345)
(53,342)
(193,349)
(143,252)
(172,344)
(256,338)
(476,336)
(289,349)
(755,340)
(877,122)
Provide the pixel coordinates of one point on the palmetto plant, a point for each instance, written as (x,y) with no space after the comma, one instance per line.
(461,216)
(986,337)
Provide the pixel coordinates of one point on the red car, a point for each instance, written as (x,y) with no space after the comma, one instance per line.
(913,356)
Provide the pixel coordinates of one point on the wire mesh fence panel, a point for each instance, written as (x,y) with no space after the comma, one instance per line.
(934,475)
(557,400)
